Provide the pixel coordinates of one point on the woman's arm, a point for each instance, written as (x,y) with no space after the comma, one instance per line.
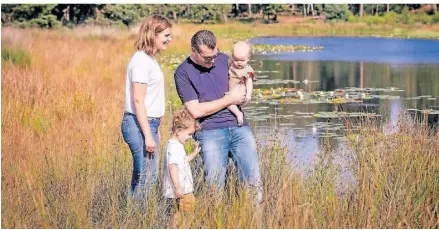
(139,93)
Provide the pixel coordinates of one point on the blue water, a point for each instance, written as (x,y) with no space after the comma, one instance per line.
(410,65)
(378,50)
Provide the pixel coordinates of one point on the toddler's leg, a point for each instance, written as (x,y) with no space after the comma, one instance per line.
(238,114)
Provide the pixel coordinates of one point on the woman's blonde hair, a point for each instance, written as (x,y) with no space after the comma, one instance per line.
(152,26)
(183,119)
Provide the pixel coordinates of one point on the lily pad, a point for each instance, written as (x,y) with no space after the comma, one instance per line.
(266,48)
(306,116)
(386,97)
(262,108)
(287,124)
(274,81)
(303,113)
(343,114)
(424,111)
(267,71)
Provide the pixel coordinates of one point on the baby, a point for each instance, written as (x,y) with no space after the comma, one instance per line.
(239,73)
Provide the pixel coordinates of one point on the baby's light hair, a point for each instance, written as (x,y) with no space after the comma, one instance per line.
(244,42)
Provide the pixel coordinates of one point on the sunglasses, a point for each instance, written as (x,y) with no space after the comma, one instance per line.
(209,58)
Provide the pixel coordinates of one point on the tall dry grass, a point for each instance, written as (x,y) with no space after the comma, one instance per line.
(65,165)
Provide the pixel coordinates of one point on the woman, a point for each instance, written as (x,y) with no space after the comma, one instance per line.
(145,103)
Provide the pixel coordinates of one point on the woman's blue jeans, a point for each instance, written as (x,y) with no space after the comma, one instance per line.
(145,164)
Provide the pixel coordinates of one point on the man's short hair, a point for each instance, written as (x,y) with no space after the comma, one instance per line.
(203,37)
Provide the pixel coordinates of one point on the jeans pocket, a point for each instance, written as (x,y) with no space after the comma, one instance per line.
(198,136)
(125,130)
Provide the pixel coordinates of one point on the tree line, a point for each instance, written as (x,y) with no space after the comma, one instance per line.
(71,15)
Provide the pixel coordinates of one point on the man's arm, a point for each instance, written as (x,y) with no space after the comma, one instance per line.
(236,96)
(187,94)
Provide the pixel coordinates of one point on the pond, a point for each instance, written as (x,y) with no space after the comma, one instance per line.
(303,94)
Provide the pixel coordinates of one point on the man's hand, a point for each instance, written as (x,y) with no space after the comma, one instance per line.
(237,94)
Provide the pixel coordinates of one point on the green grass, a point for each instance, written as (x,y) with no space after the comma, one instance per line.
(397,185)
(236,31)
(15,56)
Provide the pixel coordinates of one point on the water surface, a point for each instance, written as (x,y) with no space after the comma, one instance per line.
(398,74)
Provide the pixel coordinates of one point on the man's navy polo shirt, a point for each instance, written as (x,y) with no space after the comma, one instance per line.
(195,82)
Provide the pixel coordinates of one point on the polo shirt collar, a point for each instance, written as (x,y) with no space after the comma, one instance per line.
(200,67)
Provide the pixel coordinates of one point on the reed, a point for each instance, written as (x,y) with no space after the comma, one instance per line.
(65,165)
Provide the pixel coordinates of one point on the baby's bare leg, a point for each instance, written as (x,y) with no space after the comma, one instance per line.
(238,114)
(249,90)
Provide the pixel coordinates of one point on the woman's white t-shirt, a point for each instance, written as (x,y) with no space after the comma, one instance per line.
(144,69)
(175,154)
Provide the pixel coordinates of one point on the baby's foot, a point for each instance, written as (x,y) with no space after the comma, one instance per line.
(240,118)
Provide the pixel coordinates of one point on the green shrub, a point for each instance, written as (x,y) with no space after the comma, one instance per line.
(352,18)
(404,16)
(422,18)
(336,11)
(435,19)
(391,17)
(374,20)
(46,21)
(125,14)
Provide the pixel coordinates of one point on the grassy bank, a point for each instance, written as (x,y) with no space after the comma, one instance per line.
(65,165)
(320,28)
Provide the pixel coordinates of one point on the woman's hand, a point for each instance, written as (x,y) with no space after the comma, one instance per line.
(150,144)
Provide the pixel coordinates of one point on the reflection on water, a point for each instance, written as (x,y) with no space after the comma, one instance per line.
(417,86)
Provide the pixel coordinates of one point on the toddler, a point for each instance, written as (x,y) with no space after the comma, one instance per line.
(178,182)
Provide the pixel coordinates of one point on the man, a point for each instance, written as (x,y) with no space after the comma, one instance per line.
(202,81)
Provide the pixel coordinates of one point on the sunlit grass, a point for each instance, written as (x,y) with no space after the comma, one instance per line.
(65,165)
(18,57)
